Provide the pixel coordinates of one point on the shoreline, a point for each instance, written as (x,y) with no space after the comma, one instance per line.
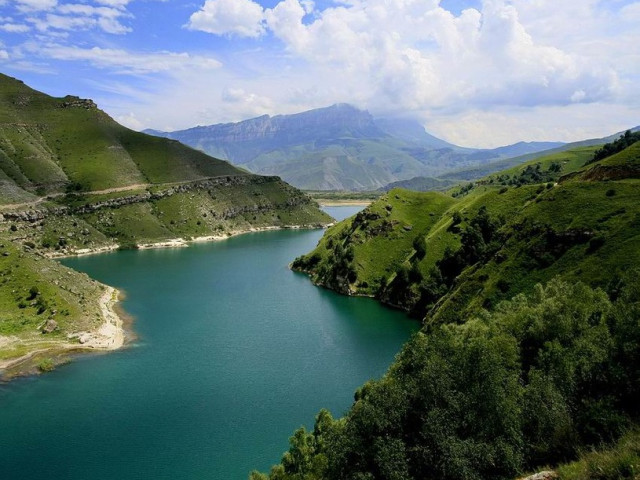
(108,336)
(182,242)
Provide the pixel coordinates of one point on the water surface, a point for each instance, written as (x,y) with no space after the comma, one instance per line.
(234,352)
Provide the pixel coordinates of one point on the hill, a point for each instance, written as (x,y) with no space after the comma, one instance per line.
(421,184)
(475,173)
(74,181)
(526,284)
(338,148)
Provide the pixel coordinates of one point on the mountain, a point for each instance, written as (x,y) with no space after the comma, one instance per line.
(526,284)
(74,181)
(337,148)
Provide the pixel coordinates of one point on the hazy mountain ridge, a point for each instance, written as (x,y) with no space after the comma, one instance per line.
(339,148)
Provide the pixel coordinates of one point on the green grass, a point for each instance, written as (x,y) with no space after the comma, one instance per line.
(617,463)
(46,143)
(67,296)
(581,230)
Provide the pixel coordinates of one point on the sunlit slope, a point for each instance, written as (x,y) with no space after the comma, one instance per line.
(49,144)
(441,255)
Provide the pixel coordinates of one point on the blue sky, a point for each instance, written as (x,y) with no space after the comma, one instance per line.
(474,72)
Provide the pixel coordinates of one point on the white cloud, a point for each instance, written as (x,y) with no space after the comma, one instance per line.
(79,17)
(4,55)
(505,71)
(15,28)
(122,61)
(61,22)
(131,121)
(35,5)
(476,128)
(111,25)
(114,3)
(229,17)
(250,104)
(414,57)
(49,15)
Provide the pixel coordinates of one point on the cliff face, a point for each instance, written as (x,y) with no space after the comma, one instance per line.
(243,141)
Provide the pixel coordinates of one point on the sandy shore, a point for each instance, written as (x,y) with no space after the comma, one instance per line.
(108,336)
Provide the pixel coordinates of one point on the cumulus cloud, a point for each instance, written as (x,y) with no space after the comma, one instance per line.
(500,67)
(414,55)
(229,17)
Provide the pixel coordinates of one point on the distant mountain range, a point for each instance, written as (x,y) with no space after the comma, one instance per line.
(340,148)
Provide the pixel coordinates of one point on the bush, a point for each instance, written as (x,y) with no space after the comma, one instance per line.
(46,365)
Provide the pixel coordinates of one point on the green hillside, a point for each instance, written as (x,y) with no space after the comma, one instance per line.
(51,144)
(527,286)
(517,228)
(74,181)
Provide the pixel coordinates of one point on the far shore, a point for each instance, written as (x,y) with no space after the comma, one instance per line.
(181,242)
(344,203)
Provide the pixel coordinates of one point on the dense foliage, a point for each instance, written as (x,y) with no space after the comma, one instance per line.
(526,385)
(616,146)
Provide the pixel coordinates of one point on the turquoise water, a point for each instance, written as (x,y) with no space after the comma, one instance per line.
(234,352)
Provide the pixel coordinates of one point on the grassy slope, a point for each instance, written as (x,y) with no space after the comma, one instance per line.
(66,296)
(382,245)
(49,142)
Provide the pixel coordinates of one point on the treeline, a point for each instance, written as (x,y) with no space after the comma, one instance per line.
(531,174)
(539,379)
(616,146)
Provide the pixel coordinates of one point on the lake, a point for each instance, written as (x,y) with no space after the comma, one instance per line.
(233,353)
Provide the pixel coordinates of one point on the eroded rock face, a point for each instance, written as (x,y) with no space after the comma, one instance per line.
(71,101)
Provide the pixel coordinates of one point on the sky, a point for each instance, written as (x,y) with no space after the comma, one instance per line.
(477,73)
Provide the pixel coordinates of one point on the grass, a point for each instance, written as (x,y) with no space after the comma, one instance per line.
(342,196)
(580,230)
(49,142)
(622,461)
(63,294)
